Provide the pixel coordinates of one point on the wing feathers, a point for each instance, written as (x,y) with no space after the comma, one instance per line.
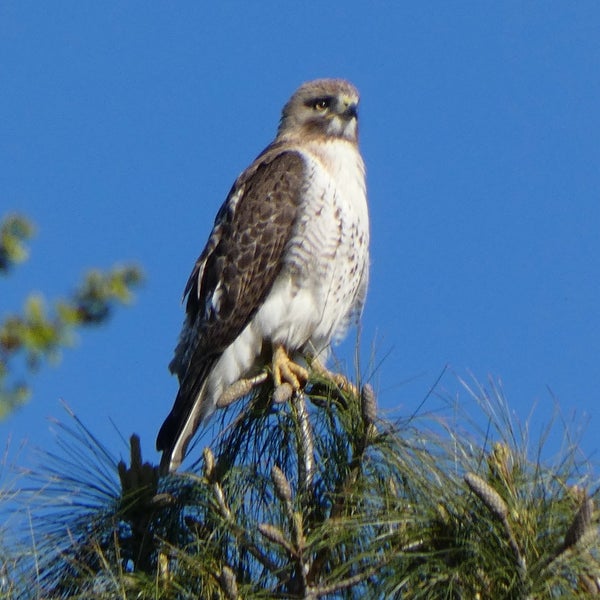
(230,280)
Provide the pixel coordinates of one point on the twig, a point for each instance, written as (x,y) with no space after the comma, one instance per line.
(240,533)
(498,507)
(239,389)
(325,590)
(306,449)
(229,583)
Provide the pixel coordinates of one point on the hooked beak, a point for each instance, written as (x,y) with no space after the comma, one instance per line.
(351,111)
(348,107)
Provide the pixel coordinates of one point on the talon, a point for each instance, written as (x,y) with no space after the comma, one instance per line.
(287,371)
(345,384)
(342,382)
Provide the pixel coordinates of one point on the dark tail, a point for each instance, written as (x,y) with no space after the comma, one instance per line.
(191,407)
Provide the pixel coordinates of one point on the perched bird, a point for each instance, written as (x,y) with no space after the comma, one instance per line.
(285,269)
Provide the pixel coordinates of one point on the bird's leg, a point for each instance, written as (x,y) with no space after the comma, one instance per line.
(287,371)
(342,382)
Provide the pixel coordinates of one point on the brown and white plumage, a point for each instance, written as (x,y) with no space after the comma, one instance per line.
(286,263)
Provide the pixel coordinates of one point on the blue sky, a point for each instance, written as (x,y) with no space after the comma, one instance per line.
(123,126)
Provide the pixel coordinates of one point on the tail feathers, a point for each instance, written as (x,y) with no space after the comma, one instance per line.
(180,426)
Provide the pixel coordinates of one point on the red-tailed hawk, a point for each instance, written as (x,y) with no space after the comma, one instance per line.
(285,268)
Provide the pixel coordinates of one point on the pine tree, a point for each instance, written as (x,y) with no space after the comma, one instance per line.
(316,497)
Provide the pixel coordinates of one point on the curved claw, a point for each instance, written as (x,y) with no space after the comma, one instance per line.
(340,380)
(287,371)
(344,384)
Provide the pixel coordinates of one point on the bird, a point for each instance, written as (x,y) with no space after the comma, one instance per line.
(285,270)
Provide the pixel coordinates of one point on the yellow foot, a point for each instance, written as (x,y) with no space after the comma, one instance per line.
(342,382)
(287,371)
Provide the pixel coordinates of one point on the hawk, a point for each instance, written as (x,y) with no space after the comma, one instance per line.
(285,269)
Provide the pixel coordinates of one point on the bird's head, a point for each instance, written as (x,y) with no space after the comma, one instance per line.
(324,107)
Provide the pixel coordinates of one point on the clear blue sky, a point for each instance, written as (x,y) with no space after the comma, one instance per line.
(123,125)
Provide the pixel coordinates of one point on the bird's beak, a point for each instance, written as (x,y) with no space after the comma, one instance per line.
(349,108)
(351,111)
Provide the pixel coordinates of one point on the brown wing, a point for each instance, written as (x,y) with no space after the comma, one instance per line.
(234,273)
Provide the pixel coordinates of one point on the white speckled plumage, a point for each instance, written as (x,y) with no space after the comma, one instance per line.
(317,292)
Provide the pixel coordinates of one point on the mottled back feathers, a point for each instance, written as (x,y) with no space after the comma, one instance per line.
(235,271)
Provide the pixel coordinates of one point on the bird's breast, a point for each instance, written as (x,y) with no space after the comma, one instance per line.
(324,262)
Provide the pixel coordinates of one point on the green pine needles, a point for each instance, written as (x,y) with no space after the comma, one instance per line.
(315,497)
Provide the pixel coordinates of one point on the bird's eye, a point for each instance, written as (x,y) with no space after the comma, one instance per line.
(321,104)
